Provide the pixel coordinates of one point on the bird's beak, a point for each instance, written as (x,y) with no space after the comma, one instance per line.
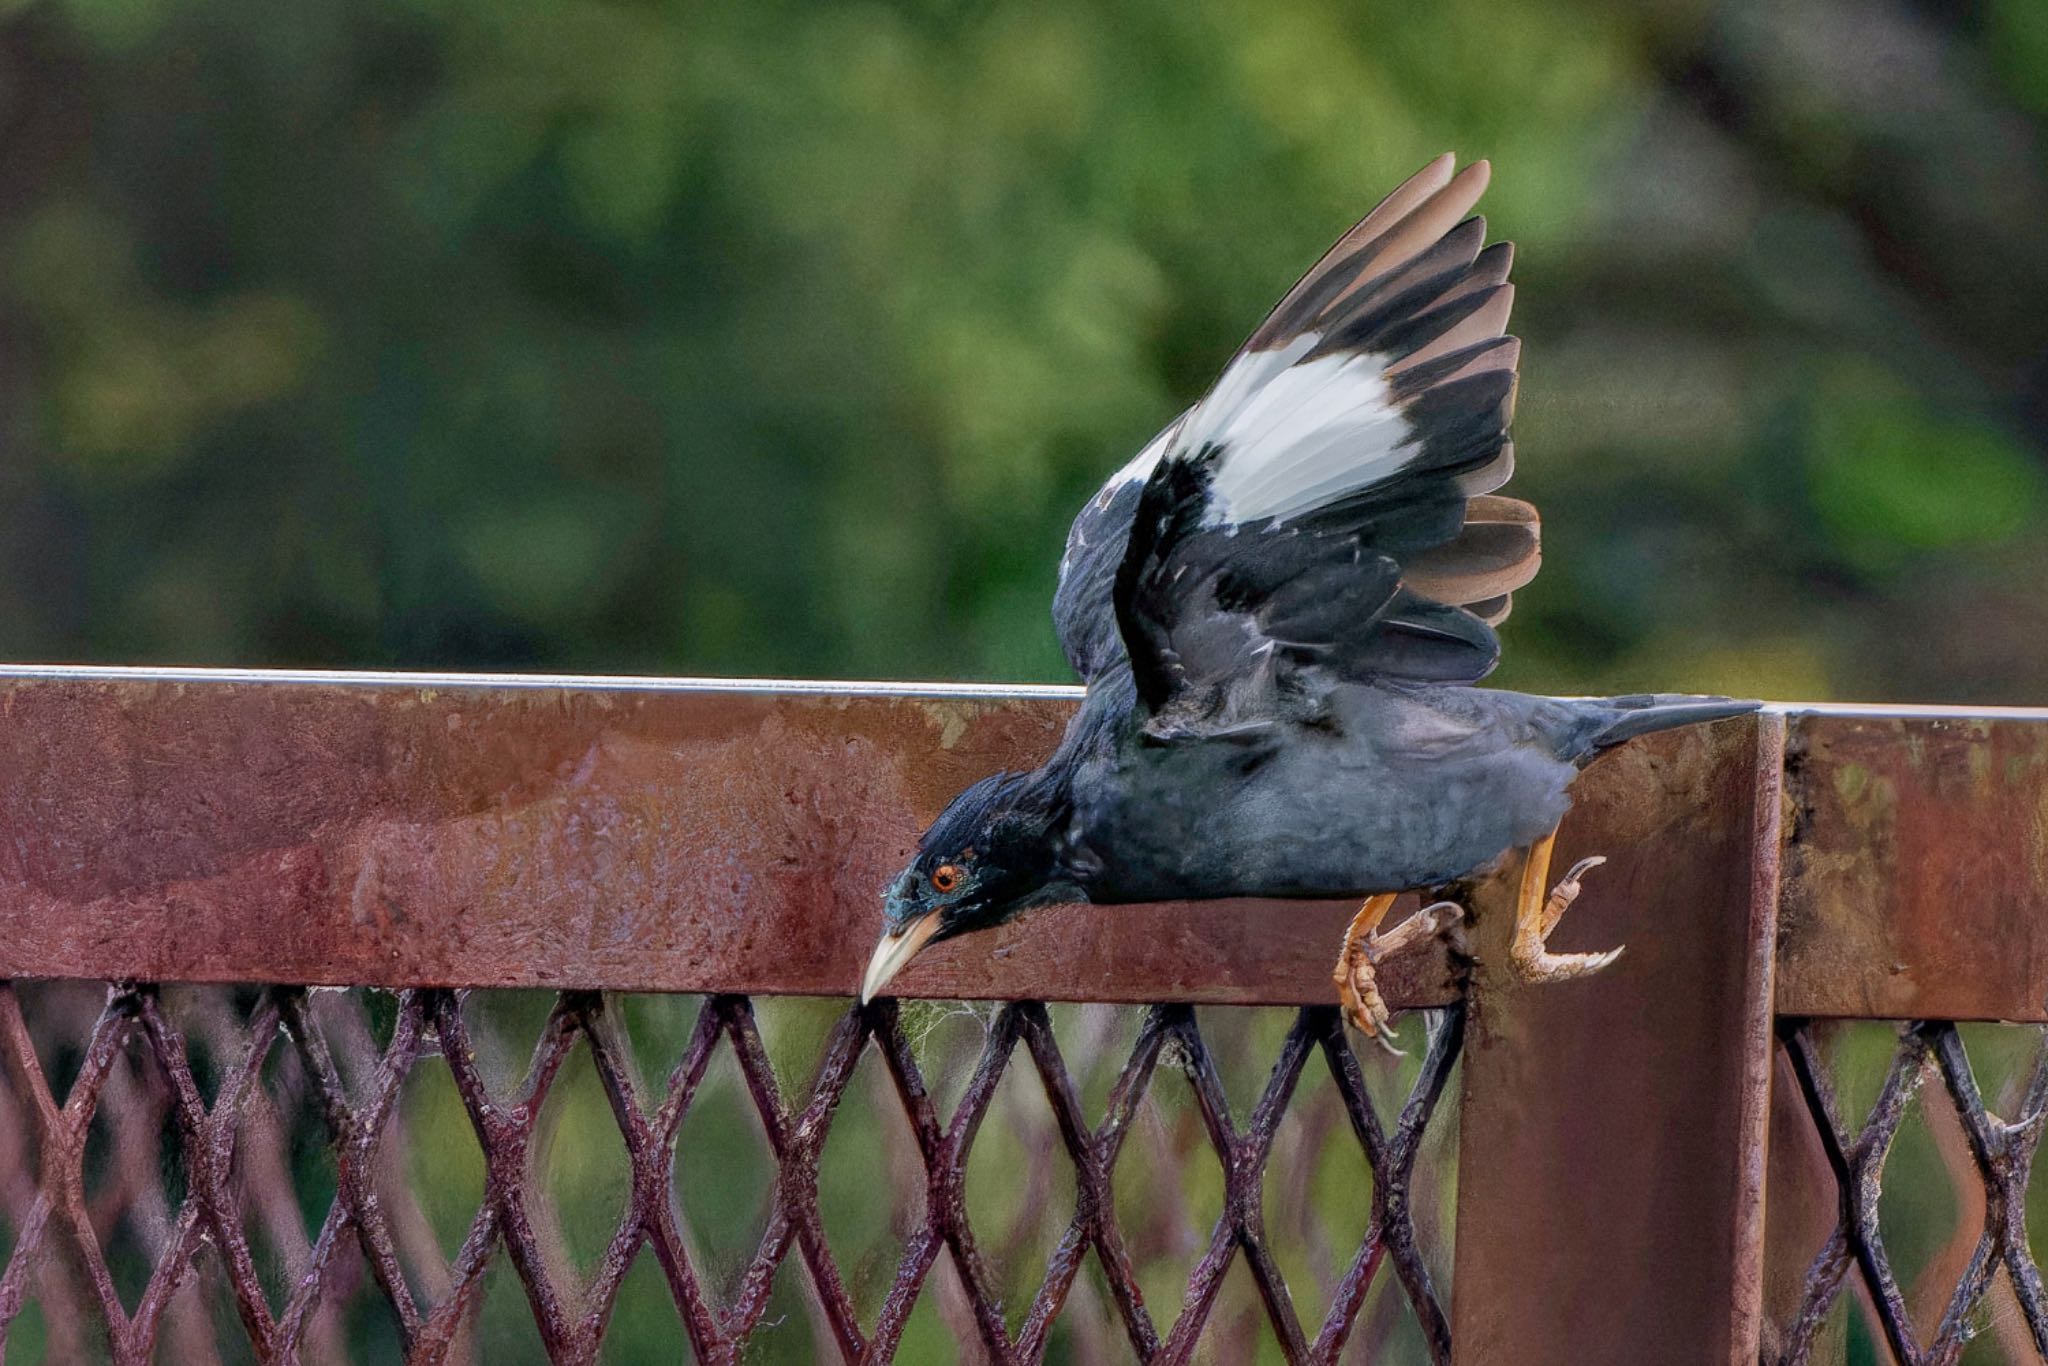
(894,951)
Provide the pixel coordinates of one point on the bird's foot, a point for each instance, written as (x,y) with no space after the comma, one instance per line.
(1357,974)
(1531,956)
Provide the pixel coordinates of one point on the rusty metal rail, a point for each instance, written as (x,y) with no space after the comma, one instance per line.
(1650,1166)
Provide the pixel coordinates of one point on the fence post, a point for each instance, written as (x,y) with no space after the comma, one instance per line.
(1611,1167)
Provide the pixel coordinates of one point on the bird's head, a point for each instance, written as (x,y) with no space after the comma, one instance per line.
(992,854)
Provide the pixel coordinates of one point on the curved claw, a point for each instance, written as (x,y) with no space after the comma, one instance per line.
(1563,967)
(1437,917)
(1579,870)
(1531,955)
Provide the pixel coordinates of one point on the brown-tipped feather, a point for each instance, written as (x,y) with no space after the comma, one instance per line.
(1484,323)
(1402,201)
(1437,215)
(1500,549)
(1449,258)
(1493,265)
(1493,611)
(1494,472)
(1478,276)
(1492,507)
(1350,251)
(1503,353)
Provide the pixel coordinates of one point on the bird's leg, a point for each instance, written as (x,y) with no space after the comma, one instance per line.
(1357,977)
(1537,914)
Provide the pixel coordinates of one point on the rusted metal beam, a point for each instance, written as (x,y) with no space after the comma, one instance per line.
(634,835)
(1916,869)
(1610,1172)
(406,829)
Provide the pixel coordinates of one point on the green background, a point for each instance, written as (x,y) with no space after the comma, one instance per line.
(768,339)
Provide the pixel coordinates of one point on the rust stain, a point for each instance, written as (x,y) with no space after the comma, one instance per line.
(1917,883)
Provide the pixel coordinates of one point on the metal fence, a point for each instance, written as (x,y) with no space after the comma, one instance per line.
(588,1096)
(194,1253)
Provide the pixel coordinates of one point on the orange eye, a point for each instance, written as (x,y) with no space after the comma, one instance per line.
(945,877)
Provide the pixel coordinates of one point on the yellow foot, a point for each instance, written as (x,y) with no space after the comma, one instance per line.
(1533,961)
(1357,975)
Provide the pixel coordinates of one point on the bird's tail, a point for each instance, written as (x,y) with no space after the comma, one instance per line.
(1612,720)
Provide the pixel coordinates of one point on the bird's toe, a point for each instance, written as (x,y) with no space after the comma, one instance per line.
(1365,1010)
(1430,922)
(1566,892)
(1357,976)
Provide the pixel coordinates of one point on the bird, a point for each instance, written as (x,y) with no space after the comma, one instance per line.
(1282,609)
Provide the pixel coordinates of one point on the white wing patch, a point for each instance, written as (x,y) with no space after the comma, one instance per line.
(1297,434)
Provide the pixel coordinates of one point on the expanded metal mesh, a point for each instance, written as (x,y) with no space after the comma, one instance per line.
(1976,1280)
(154,1204)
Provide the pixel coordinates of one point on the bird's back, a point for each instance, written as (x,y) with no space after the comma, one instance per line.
(1391,788)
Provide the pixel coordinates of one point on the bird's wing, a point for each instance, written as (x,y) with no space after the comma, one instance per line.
(1084,604)
(1325,512)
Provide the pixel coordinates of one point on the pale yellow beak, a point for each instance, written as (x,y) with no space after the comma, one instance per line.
(894,951)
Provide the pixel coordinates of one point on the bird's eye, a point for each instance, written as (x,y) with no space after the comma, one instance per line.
(945,877)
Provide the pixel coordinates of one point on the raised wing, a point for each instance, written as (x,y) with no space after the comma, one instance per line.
(1323,513)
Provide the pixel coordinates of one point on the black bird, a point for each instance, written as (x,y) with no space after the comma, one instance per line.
(1280,608)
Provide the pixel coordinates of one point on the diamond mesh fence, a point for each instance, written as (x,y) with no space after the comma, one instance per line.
(200,1174)
(1924,1136)
(208,1174)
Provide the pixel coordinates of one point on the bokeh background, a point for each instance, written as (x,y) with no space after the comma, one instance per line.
(777,339)
(784,340)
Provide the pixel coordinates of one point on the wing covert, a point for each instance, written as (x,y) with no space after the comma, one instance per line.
(1083,605)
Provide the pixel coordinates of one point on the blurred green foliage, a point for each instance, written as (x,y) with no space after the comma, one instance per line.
(785,339)
(782,339)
